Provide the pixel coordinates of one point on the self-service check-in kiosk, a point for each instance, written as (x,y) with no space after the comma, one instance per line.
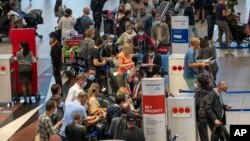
(7,78)
(176,70)
(182,118)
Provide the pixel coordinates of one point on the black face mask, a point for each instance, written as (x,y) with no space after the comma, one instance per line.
(145,3)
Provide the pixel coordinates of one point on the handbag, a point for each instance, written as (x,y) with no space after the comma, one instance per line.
(223,132)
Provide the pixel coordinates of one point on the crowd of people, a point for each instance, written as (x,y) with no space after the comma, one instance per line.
(140,30)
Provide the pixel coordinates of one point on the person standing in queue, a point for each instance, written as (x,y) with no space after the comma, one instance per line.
(215,109)
(190,64)
(96,7)
(133,132)
(25,59)
(56,57)
(125,63)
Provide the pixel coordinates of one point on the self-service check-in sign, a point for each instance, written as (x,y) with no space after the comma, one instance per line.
(177,69)
(3,69)
(181,112)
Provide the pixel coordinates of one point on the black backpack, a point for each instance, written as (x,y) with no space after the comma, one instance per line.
(78,26)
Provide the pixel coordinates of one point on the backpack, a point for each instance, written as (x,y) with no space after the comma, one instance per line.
(85,48)
(78,26)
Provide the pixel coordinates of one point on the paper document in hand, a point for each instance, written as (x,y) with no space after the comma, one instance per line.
(209,60)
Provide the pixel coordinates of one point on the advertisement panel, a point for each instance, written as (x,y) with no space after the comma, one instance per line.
(17,38)
(179,34)
(154,110)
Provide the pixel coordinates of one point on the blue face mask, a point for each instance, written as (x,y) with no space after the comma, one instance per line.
(91,77)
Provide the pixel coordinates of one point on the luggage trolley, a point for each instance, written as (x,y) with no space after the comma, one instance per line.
(71,62)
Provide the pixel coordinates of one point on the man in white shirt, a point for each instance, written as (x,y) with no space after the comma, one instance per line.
(76,88)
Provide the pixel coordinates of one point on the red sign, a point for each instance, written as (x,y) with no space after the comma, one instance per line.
(154,104)
(181,111)
(17,38)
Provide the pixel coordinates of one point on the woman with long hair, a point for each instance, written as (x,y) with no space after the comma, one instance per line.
(94,107)
(66,24)
(25,60)
(59,10)
(125,64)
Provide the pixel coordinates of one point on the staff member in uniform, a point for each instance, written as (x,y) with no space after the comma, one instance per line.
(56,57)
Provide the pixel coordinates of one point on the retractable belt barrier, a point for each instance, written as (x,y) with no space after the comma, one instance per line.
(228,92)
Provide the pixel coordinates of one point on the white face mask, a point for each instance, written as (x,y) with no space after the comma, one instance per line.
(129,31)
(141,33)
(157,22)
(110,43)
(195,85)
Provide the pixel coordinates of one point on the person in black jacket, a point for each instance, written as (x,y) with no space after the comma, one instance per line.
(114,111)
(211,17)
(202,90)
(215,108)
(97,6)
(76,131)
(206,51)
(123,21)
(153,61)
(56,57)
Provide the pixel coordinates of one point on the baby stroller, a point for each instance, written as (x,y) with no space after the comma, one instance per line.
(33,18)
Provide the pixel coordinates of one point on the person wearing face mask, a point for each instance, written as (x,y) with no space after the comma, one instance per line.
(141,43)
(129,34)
(58,115)
(160,31)
(215,108)
(202,90)
(152,61)
(80,83)
(122,22)
(56,57)
(118,16)
(108,50)
(190,64)
(90,77)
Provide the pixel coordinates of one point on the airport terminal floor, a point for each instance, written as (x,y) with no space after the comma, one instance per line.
(20,122)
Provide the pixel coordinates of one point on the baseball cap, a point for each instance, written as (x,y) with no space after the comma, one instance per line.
(52,34)
(130,117)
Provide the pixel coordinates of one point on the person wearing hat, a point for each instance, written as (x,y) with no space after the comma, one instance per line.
(56,57)
(133,132)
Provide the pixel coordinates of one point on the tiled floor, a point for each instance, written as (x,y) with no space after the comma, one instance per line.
(21,120)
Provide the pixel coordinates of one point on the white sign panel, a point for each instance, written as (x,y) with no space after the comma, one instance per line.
(180,34)
(154,109)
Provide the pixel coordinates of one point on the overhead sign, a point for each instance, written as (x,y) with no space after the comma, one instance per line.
(154,109)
